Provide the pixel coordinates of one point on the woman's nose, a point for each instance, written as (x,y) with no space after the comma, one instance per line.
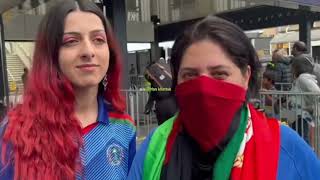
(87,50)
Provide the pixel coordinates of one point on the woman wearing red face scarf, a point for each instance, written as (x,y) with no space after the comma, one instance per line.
(217,135)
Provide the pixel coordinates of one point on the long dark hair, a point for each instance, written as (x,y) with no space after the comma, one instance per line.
(43,131)
(229,36)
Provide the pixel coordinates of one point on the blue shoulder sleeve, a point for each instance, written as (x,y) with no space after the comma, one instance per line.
(6,170)
(132,150)
(297,160)
(136,170)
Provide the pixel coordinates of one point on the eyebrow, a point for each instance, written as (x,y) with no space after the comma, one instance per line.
(219,67)
(78,33)
(188,69)
(211,68)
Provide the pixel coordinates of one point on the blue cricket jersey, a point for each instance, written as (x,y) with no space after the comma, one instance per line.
(108,149)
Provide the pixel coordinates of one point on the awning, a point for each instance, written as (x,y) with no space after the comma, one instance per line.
(248,18)
(293,37)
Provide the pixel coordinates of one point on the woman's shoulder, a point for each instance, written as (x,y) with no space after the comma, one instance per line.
(296,154)
(291,141)
(115,116)
(123,122)
(121,117)
(137,167)
(158,136)
(6,170)
(3,126)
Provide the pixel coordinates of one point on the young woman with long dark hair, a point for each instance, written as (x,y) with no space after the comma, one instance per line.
(71,123)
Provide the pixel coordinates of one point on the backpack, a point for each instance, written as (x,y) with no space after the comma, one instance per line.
(159,75)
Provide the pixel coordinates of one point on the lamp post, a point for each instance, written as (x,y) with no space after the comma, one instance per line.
(155,50)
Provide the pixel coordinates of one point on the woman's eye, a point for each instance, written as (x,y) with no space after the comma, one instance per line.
(99,40)
(70,42)
(189,75)
(220,75)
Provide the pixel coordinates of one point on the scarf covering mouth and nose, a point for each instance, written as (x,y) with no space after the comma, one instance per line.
(243,158)
(207,108)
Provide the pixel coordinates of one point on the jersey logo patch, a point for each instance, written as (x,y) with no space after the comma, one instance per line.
(115,154)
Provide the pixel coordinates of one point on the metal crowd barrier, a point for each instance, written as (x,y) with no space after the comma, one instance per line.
(286,106)
(284,86)
(300,111)
(136,101)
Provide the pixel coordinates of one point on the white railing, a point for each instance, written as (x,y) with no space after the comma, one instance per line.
(284,86)
(14,97)
(22,54)
(8,47)
(300,111)
(136,101)
(10,75)
(283,105)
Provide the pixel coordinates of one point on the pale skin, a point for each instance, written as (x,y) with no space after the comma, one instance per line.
(207,58)
(84,60)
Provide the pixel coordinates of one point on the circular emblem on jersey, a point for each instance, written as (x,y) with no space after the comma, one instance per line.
(115,154)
